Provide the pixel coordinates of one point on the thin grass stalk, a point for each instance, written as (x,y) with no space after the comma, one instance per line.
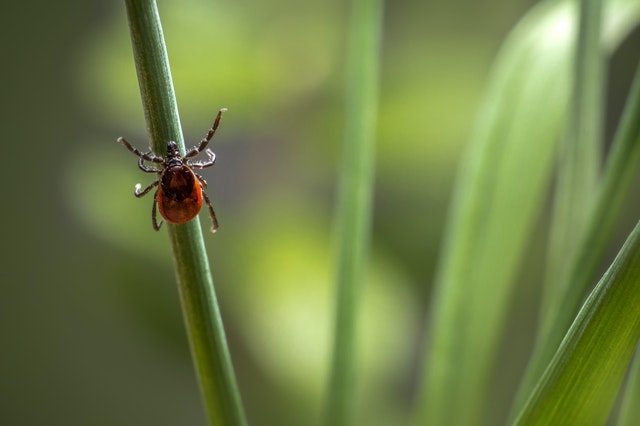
(581,156)
(203,322)
(354,209)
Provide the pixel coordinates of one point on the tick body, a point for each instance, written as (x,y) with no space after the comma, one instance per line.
(179,189)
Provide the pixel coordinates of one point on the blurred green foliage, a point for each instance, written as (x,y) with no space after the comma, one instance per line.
(92,330)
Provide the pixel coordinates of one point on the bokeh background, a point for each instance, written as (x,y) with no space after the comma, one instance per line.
(91,330)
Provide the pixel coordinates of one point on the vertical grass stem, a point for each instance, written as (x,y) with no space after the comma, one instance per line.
(355,200)
(202,316)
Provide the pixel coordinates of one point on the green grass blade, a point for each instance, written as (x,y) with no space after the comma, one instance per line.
(580,158)
(582,381)
(499,194)
(498,197)
(202,317)
(630,410)
(615,184)
(355,200)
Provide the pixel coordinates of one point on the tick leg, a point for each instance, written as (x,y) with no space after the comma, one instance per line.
(144,155)
(214,226)
(146,169)
(203,183)
(139,193)
(203,143)
(154,214)
(203,164)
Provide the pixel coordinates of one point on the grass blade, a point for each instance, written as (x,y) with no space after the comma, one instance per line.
(613,188)
(630,410)
(202,316)
(582,381)
(580,159)
(353,213)
(499,194)
(500,188)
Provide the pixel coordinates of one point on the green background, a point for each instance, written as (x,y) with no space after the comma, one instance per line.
(91,331)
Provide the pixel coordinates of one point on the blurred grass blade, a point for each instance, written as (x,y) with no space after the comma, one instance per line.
(578,169)
(581,383)
(617,177)
(200,308)
(353,213)
(580,156)
(500,191)
(630,410)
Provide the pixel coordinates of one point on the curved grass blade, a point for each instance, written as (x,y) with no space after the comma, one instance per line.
(582,381)
(500,192)
(614,186)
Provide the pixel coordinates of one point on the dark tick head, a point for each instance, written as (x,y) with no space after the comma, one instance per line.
(172,150)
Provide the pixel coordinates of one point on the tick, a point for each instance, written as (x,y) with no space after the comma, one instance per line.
(180,190)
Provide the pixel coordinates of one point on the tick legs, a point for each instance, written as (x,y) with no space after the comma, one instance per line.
(154,215)
(202,165)
(146,169)
(203,143)
(203,183)
(214,226)
(139,193)
(142,155)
